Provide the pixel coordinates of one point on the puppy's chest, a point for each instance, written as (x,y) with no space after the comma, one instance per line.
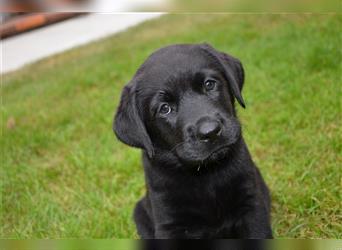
(214,203)
(203,201)
(217,200)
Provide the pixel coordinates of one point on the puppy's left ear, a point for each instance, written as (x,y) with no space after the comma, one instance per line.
(233,71)
(127,124)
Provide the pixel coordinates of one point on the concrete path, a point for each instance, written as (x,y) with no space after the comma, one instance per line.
(37,44)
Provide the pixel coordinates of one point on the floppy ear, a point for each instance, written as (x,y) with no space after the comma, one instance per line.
(233,71)
(127,124)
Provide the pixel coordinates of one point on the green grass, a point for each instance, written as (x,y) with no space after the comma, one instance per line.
(64,174)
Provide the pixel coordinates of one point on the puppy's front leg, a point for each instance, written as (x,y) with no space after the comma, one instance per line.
(254,224)
(169,231)
(179,231)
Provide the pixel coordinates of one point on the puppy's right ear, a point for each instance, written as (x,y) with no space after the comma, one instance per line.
(127,124)
(232,68)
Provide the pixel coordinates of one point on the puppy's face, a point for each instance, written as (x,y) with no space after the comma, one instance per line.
(181,102)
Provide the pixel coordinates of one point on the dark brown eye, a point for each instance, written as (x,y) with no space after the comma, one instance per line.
(165,109)
(209,85)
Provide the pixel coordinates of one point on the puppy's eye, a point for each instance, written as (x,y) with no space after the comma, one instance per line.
(165,109)
(209,85)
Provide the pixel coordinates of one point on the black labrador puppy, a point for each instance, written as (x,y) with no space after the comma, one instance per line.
(201,180)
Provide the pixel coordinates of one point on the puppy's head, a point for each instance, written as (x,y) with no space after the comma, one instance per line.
(180,104)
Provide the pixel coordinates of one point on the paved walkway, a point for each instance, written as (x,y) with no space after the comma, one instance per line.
(37,44)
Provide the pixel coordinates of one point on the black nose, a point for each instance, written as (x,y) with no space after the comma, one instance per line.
(208,130)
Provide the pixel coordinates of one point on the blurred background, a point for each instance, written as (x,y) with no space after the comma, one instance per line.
(65,175)
(27,37)
(172,5)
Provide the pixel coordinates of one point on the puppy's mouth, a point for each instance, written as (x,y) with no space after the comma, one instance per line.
(212,158)
(206,159)
(217,153)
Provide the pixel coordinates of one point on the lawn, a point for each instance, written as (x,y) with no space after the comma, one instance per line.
(65,175)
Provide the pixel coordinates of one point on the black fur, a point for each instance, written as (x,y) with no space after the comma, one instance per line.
(201,181)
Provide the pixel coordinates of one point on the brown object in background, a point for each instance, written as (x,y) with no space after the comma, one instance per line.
(28,22)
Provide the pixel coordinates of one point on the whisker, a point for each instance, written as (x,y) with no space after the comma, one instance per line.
(177,145)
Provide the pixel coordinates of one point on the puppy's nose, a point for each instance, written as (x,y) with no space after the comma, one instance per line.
(208,130)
